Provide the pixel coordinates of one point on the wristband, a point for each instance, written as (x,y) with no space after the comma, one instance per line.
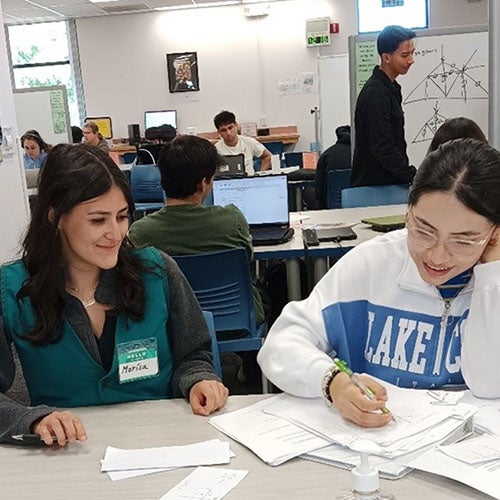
(326,381)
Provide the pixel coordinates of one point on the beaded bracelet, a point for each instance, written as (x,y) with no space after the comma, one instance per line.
(326,381)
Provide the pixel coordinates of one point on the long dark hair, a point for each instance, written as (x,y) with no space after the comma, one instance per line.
(457,128)
(466,168)
(72,175)
(33,135)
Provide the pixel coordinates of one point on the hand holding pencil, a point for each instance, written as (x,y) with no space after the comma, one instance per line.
(359,398)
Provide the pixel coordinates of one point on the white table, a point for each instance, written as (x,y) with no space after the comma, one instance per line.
(294,249)
(74,472)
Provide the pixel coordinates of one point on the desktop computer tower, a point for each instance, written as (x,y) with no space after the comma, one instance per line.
(134,134)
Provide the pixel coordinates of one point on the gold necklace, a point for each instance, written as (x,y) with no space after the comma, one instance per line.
(81,289)
(87,303)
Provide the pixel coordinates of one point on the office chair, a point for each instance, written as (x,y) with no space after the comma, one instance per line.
(145,183)
(209,319)
(337,180)
(366,196)
(227,295)
(275,148)
(293,159)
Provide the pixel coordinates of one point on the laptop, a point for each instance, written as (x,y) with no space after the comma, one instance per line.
(264,203)
(32,177)
(231,166)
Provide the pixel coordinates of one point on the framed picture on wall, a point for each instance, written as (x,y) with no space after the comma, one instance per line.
(182,70)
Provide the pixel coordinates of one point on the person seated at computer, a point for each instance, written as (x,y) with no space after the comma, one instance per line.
(92,136)
(336,157)
(232,143)
(417,307)
(185,226)
(35,149)
(82,304)
(457,128)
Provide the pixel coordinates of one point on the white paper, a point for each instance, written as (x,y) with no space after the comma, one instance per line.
(119,475)
(487,419)
(271,438)
(475,451)
(206,483)
(412,410)
(485,477)
(205,453)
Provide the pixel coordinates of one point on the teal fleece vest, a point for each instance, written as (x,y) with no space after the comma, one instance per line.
(63,373)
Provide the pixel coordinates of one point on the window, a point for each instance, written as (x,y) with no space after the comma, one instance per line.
(42,54)
(375,15)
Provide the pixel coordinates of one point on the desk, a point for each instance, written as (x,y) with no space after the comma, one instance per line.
(74,472)
(294,249)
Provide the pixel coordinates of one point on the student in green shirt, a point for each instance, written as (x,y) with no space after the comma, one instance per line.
(184,226)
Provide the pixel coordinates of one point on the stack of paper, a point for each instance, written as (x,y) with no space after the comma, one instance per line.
(271,438)
(282,427)
(129,463)
(475,462)
(420,422)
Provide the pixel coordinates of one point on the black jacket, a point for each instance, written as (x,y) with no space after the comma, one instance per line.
(336,157)
(380,146)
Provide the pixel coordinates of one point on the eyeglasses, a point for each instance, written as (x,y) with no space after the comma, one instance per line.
(457,246)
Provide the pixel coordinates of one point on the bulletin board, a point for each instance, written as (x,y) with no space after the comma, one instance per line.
(44,109)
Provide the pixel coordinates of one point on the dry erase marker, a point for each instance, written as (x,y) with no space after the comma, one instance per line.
(367,391)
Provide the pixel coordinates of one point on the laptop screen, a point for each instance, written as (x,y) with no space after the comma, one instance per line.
(263,200)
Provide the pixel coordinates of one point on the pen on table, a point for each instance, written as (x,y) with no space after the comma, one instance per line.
(33,439)
(369,393)
(29,439)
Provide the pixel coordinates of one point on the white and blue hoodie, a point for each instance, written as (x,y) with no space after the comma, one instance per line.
(374,310)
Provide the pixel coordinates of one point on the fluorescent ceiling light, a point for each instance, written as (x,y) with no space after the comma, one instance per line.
(209,4)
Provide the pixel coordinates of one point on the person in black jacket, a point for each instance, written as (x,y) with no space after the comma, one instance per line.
(336,157)
(380,146)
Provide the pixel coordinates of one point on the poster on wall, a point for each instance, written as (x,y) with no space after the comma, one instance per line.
(182,70)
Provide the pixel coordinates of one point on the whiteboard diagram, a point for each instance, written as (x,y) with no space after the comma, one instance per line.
(450,80)
(426,133)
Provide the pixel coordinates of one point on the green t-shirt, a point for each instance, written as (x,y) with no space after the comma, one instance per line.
(191,229)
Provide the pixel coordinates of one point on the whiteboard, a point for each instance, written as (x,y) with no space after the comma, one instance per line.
(334,111)
(44,109)
(449,79)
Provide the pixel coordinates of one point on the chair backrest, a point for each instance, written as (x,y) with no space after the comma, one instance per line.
(148,153)
(222,284)
(293,159)
(366,196)
(209,319)
(336,181)
(145,183)
(275,148)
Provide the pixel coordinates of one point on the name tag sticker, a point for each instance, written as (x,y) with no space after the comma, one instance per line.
(137,360)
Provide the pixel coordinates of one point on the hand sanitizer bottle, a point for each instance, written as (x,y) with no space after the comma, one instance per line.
(365,480)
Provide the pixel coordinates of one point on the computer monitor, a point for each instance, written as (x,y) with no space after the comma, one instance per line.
(162,117)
